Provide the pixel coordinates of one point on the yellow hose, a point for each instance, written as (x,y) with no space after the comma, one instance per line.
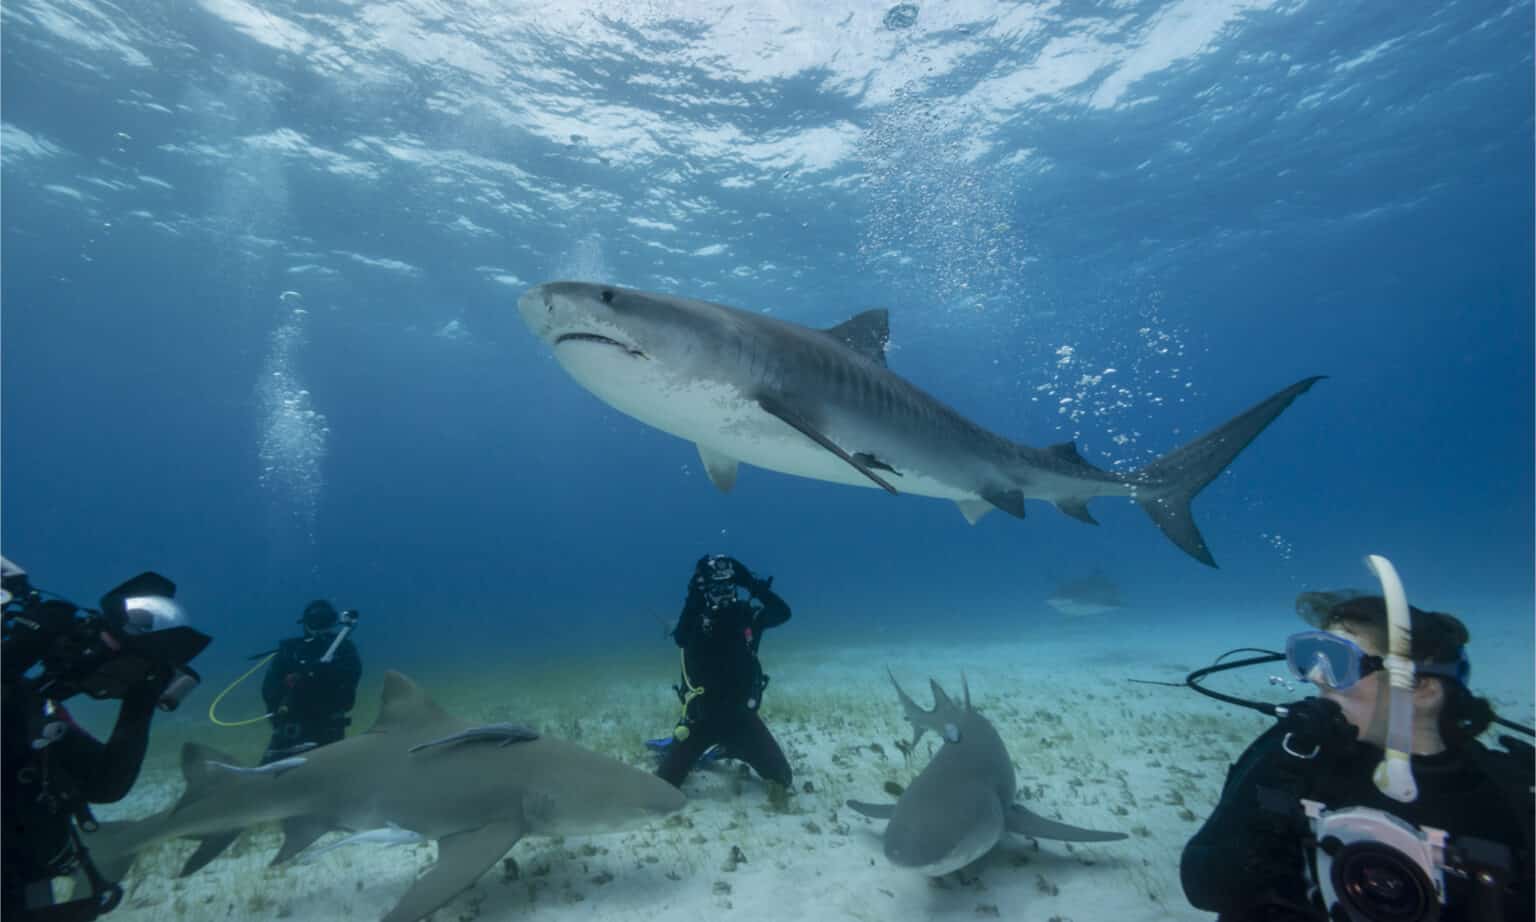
(231,687)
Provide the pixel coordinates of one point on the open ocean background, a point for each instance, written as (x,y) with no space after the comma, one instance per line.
(261,263)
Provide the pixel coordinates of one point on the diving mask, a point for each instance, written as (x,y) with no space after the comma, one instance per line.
(1325,658)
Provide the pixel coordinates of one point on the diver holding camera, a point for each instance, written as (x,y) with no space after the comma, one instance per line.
(136,650)
(1373,801)
(718,633)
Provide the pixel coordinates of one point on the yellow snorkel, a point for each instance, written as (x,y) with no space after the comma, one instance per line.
(1394,774)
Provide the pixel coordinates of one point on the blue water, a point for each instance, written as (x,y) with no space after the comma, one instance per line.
(1214,199)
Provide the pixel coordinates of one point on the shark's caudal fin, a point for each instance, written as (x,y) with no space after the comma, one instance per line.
(944,719)
(114,844)
(1174,479)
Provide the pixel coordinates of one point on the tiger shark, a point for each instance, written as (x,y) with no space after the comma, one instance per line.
(477,790)
(821,403)
(960,806)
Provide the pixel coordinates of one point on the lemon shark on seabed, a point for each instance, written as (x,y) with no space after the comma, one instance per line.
(821,403)
(477,790)
(961,805)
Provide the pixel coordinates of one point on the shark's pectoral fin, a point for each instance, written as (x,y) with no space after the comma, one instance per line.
(797,421)
(1010,501)
(461,859)
(299,833)
(208,848)
(974,509)
(1025,823)
(1077,509)
(720,468)
(873,811)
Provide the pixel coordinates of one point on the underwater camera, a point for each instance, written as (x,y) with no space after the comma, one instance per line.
(138,637)
(1372,866)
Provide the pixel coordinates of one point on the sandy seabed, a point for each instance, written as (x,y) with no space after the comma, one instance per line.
(1089,748)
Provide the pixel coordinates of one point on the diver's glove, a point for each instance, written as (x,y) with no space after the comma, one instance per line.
(1314,726)
(752,584)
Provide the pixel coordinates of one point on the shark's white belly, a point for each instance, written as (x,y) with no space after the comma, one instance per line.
(720,417)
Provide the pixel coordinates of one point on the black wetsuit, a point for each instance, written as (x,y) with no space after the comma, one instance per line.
(308,699)
(46,788)
(1248,860)
(720,656)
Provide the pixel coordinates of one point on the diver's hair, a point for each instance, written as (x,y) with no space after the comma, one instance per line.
(1437,637)
(1464,716)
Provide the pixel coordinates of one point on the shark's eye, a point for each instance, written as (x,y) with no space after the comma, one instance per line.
(607,296)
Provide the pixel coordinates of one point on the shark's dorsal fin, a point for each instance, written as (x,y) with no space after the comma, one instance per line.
(1067,451)
(403,704)
(866,333)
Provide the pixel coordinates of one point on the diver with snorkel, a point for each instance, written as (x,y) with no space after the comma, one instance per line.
(1374,800)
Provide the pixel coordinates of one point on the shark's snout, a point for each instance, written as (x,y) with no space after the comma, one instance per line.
(534,307)
(930,858)
(576,315)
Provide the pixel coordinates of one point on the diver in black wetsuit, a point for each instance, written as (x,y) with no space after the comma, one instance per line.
(722,680)
(136,650)
(1264,854)
(309,686)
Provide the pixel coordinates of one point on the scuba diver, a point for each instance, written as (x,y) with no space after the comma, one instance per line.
(1374,800)
(135,649)
(722,686)
(311,682)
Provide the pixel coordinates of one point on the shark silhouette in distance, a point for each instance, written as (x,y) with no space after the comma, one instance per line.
(417,774)
(748,387)
(1095,594)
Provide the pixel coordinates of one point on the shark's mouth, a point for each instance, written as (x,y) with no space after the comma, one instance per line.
(596,338)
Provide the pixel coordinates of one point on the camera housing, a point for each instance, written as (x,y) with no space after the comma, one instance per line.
(63,650)
(1373,866)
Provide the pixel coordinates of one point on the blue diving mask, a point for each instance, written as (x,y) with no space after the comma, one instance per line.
(1338,662)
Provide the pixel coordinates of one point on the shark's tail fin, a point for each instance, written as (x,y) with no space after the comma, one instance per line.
(114,845)
(1177,477)
(201,769)
(944,717)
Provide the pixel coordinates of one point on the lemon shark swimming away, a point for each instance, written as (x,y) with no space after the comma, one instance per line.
(821,403)
(417,774)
